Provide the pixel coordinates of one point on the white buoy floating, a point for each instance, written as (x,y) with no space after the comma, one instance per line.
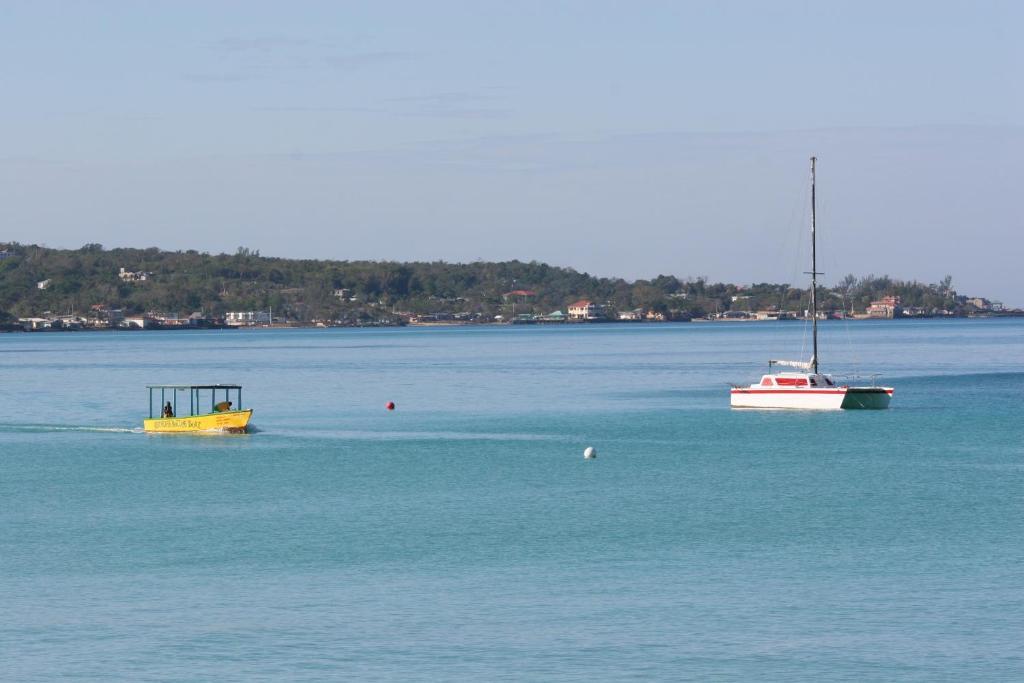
(590,453)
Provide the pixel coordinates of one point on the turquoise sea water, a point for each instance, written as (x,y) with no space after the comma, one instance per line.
(464,537)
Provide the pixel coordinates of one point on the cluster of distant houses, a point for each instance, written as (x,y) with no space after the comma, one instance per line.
(585,310)
(886,308)
(101,317)
(890,307)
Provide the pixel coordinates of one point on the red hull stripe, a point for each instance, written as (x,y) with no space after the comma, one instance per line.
(794,392)
(789,392)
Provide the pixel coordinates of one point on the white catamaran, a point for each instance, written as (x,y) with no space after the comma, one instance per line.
(808,389)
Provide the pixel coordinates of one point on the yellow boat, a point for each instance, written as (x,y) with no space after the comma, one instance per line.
(224,416)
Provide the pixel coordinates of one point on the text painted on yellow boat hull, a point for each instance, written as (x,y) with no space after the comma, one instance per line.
(236,420)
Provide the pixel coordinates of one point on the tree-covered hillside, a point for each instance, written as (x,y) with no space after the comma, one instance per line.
(182,282)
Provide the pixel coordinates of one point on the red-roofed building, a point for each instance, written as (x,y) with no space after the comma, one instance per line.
(585,310)
(886,307)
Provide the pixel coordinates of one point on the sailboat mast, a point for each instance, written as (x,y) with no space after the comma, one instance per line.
(814,271)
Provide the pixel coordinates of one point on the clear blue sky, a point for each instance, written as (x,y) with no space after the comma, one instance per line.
(619,138)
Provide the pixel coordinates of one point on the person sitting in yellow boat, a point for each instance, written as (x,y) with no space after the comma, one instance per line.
(222,407)
(168,410)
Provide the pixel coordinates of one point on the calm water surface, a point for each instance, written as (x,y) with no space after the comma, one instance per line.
(463,536)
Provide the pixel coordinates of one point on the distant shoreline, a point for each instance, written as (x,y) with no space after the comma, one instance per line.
(43,288)
(16,328)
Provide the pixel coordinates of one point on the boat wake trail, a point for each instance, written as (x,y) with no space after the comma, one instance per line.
(68,428)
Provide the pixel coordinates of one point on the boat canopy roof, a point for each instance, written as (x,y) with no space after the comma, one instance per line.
(185,387)
(799,364)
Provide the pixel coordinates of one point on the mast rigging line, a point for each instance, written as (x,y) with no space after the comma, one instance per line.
(814,269)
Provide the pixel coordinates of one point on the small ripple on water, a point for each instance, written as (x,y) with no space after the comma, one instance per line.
(391,435)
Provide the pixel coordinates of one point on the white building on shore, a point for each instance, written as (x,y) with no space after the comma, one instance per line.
(247,318)
(133,276)
(585,310)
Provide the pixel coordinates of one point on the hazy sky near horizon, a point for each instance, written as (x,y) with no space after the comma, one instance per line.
(619,138)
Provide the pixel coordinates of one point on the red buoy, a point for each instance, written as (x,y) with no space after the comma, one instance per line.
(390,405)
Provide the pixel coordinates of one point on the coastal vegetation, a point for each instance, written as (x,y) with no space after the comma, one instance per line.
(36,280)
